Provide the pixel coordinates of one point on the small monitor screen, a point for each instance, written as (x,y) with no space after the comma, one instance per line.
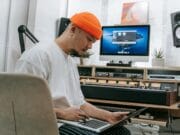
(126,40)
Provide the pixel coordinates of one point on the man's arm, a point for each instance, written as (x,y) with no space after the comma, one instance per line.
(70,113)
(95,112)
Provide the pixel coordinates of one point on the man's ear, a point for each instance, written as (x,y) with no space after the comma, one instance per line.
(73,28)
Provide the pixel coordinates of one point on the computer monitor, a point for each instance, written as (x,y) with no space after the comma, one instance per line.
(125,43)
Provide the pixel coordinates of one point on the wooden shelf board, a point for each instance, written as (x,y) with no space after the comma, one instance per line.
(154,122)
(172,107)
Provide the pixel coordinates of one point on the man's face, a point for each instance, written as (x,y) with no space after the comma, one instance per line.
(82,41)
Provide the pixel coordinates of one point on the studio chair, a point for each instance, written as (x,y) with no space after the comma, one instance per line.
(25,106)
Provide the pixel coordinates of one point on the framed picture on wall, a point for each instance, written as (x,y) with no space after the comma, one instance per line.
(134,13)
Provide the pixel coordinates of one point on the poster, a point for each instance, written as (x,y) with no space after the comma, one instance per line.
(135,13)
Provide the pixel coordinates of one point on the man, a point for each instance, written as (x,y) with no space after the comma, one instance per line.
(53,63)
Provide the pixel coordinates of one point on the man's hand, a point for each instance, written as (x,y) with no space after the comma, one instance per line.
(116,116)
(112,117)
(71,113)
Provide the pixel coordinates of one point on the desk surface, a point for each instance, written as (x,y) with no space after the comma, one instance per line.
(171,107)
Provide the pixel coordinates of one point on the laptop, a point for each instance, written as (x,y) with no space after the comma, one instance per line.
(99,126)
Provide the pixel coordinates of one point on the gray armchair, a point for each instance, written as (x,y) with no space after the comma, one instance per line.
(25,106)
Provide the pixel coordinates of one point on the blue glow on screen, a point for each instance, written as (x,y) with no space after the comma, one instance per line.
(125,40)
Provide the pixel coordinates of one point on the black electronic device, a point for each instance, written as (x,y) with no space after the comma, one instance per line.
(99,126)
(175,20)
(168,86)
(161,77)
(125,43)
(163,74)
(85,71)
(121,64)
(139,95)
(119,73)
(64,22)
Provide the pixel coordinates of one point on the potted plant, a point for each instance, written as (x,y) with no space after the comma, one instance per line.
(158,57)
(84,58)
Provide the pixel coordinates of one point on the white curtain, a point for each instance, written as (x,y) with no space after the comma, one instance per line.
(4,23)
(17,15)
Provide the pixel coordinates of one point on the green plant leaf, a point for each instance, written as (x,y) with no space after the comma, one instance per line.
(158,53)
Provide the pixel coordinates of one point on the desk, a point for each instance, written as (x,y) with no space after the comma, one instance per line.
(160,78)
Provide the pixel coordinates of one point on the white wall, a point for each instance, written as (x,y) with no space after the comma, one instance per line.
(18,16)
(41,17)
(12,14)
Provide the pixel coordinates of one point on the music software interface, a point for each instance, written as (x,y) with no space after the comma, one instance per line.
(125,40)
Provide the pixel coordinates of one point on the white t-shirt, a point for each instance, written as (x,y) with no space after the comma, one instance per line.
(51,63)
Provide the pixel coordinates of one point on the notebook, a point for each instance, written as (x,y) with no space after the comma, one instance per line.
(99,126)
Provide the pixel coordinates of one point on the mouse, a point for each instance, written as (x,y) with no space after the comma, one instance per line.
(178,105)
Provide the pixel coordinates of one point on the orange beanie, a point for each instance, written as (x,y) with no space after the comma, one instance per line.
(88,22)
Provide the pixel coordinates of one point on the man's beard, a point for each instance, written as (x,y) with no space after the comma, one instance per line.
(74,53)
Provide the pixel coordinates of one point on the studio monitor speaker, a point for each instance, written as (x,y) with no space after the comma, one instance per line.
(63,24)
(175,20)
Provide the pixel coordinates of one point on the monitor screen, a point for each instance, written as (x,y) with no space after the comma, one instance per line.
(125,43)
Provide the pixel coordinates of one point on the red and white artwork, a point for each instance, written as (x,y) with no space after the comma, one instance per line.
(135,13)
